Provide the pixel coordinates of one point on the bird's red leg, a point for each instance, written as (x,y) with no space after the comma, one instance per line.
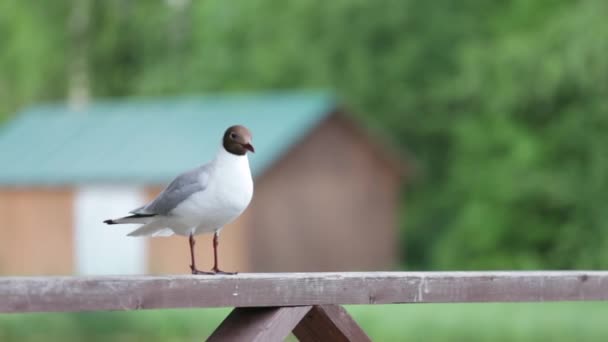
(216,243)
(193,263)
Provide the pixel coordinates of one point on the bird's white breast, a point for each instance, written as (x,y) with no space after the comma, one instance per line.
(228,191)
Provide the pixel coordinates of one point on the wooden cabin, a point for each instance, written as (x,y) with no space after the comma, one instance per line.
(326,193)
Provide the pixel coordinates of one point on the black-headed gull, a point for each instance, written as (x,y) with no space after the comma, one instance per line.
(201,200)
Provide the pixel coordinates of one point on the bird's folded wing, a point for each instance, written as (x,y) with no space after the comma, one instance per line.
(178,191)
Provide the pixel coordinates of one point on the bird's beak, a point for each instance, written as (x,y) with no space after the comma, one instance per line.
(249,147)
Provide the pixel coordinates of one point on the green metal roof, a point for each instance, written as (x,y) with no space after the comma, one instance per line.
(151,141)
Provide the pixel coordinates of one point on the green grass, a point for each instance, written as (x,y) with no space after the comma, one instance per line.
(485,322)
(427,322)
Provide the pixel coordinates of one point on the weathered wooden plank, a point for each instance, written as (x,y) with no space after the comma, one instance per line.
(329,323)
(37,294)
(259,324)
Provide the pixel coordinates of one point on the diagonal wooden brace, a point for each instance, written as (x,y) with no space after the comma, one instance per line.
(329,323)
(259,324)
(308,323)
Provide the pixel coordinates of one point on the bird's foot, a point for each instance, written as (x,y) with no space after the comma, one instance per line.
(196,271)
(218,271)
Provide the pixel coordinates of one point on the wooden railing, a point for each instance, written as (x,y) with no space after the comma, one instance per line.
(270,306)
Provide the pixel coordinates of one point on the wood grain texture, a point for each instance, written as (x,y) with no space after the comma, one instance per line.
(39,294)
(259,324)
(329,323)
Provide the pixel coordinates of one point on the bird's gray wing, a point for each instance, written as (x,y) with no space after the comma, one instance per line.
(178,190)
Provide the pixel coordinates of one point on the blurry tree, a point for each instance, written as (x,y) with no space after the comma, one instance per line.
(32,54)
(529,183)
(502,103)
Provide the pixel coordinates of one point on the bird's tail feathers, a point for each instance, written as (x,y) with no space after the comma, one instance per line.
(136,218)
(152,229)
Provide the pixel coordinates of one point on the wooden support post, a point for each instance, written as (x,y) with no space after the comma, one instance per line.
(259,324)
(329,323)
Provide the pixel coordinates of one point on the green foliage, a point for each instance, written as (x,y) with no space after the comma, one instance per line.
(502,103)
(32,54)
(529,186)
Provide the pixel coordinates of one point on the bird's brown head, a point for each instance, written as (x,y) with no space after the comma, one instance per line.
(237,140)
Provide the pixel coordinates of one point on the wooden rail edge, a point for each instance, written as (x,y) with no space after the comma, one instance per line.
(55,294)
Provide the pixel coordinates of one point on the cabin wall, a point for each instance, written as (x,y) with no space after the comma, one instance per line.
(329,205)
(36,231)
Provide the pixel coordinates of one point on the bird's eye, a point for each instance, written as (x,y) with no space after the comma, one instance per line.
(232,135)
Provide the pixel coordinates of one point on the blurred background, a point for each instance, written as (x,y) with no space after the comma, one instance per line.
(484,121)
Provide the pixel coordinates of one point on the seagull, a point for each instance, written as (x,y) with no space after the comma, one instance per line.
(201,200)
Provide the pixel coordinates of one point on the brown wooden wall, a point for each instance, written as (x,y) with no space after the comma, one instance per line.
(329,205)
(36,231)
